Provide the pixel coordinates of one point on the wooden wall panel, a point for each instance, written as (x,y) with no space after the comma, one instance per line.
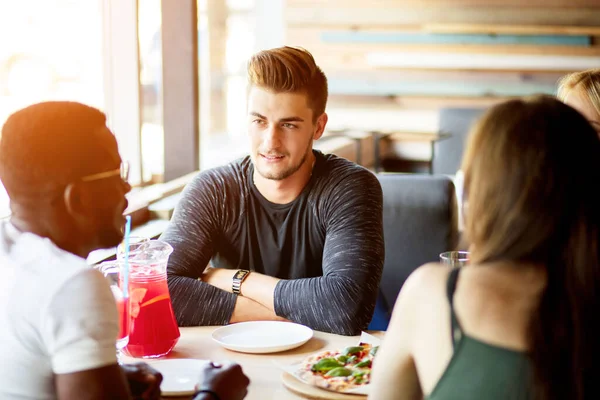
(512,29)
(371,14)
(431,38)
(387,83)
(442,61)
(445,3)
(350,51)
(362,48)
(380,77)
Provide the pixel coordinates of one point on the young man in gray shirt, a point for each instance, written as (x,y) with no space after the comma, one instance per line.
(290,233)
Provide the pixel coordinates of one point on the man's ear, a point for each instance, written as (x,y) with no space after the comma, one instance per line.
(74,200)
(321,122)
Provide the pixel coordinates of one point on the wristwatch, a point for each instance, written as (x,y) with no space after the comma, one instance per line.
(238,278)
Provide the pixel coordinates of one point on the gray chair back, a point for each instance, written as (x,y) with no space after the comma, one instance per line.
(448,151)
(419,222)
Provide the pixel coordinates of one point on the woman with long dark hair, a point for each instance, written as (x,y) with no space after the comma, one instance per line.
(522,320)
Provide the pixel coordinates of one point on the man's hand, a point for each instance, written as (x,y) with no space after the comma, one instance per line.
(227,381)
(257,287)
(144,381)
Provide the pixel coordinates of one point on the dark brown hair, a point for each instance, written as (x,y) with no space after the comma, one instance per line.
(532,168)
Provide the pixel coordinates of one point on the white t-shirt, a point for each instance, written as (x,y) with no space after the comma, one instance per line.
(57,316)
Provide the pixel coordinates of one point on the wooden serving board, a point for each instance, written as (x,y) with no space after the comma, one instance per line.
(313,392)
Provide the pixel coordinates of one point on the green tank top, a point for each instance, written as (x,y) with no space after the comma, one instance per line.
(478,370)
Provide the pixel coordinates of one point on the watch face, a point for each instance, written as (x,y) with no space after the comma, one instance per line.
(240,274)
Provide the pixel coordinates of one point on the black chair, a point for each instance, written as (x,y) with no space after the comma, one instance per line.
(454,126)
(420,222)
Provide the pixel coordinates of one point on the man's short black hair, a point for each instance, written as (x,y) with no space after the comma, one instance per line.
(53,143)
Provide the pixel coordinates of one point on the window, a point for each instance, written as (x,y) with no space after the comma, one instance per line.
(87,51)
(151,103)
(231,31)
(52,51)
(94,52)
(227,40)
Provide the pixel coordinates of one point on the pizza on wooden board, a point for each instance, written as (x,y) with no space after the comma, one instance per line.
(339,370)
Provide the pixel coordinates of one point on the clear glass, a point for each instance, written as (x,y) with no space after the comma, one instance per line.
(112,272)
(154,331)
(455,258)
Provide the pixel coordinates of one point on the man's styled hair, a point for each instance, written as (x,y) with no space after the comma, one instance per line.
(290,69)
(52,143)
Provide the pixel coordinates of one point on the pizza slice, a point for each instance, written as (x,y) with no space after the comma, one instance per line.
(340,370)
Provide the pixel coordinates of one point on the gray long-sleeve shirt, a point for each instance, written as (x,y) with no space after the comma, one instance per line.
(326,245)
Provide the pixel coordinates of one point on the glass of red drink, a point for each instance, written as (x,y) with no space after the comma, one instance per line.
(112,272)
(153,330)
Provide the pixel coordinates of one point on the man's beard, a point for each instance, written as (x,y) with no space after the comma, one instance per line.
(280,175)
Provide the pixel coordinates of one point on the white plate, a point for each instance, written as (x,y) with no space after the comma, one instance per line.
(262,336)
(179,375)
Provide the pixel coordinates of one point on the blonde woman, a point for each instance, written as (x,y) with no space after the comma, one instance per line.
(581,90)
(520,322)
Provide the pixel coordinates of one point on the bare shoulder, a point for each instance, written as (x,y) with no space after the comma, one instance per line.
(423,288)
(420,305)
(427,279)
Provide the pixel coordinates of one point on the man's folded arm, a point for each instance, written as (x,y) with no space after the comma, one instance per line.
(328,305)
(249,310)
(191,232)
(343,299)
(197,303)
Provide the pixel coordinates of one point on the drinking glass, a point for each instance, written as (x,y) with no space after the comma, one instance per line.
(112,272)
(455,258)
